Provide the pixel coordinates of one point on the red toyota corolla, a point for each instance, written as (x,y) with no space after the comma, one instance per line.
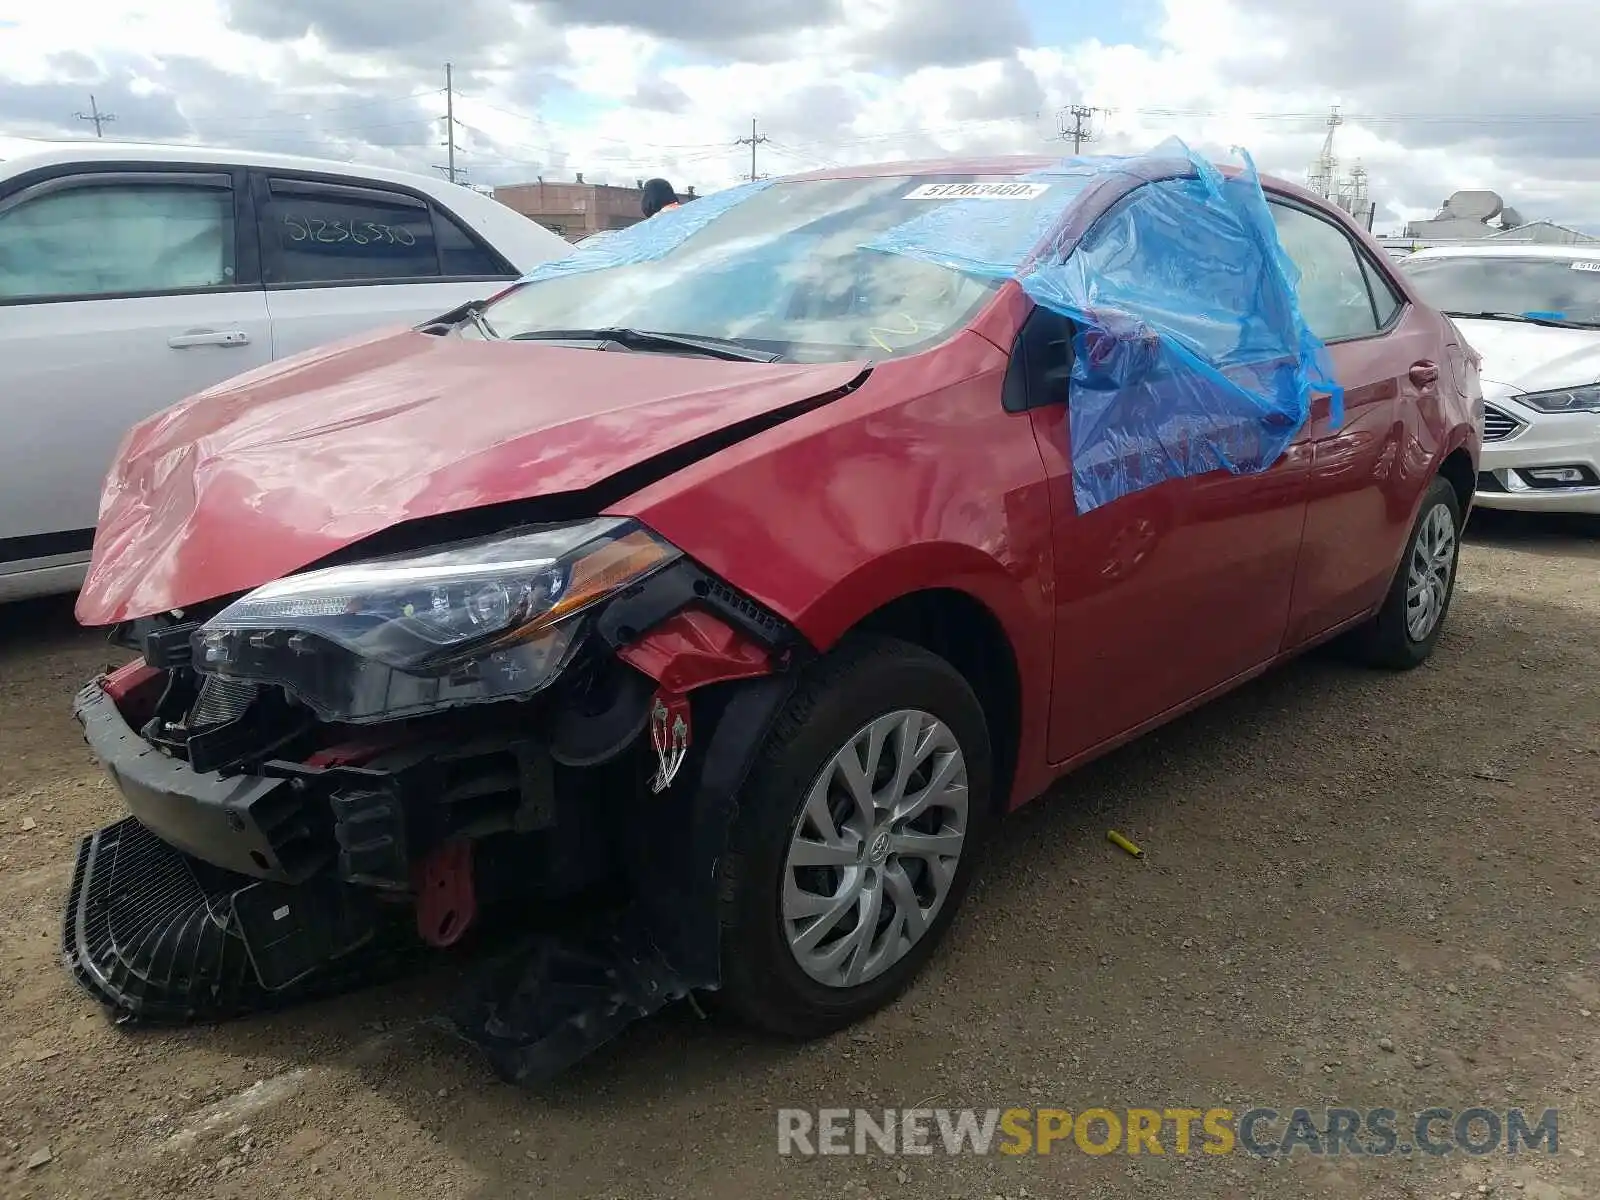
(731,577)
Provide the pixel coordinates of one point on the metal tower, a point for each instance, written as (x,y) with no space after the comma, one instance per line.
(1323,176)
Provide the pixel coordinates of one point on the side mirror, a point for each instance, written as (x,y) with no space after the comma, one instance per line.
(1120,357)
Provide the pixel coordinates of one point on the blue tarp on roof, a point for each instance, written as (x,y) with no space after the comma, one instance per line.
(1191,353)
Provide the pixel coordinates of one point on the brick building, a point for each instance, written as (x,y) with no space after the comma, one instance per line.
(577,209)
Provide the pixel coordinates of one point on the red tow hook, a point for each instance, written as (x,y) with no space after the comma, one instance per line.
(446,901)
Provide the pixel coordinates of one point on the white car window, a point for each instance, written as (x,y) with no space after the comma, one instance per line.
(316,233)
(116,240)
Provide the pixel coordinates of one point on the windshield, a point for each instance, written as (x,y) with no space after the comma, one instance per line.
(1560,288)
(781,271)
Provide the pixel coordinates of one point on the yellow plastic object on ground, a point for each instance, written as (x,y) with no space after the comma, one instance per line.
(1117,839)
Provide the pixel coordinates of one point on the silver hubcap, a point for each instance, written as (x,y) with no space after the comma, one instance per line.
(1433,558)
(875,849)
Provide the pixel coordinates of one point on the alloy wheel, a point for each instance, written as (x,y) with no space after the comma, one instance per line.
(876,848)
(1433,559)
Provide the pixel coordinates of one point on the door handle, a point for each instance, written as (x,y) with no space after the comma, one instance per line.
(1424,374)
(209,337)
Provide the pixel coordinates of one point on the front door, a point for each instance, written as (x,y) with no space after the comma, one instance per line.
(121,293)
(1164,593)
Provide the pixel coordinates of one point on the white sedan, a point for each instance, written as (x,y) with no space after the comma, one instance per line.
(133,276)
(1533,314)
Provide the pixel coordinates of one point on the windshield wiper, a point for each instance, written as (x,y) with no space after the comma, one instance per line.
(475,315)
(650,339)
(1516,316)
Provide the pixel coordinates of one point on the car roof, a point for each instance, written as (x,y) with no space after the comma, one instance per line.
(1589,252)
(25,154)
(518,238)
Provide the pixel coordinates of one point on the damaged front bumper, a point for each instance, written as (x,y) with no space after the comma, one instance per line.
(229,893)
(251,825)
(207,901)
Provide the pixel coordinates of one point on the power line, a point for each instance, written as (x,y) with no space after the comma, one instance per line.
(804,156)
(94,114)
(752,141)
(534,119)
(1308,118)
(322,110)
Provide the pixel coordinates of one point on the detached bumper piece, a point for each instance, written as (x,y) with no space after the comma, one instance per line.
(161,938)
(555,999)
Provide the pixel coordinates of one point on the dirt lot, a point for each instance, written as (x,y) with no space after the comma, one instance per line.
(1359,889)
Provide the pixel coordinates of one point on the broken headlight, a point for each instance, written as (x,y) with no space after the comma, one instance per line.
(481,620)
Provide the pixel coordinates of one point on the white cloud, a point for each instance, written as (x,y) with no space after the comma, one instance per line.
(1433,104)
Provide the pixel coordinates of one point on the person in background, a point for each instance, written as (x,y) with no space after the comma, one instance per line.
(658,197)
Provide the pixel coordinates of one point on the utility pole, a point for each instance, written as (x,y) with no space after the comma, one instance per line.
(449,142)
(94,114)
(1078,131)
(752,141)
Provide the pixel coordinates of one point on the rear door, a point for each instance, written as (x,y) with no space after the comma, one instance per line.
(1385,356)
(341,256)
(123,290)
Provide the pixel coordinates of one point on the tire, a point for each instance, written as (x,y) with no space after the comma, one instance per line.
(1388,640)
(864,680)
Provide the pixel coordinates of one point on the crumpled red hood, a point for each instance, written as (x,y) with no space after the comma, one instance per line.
(259,476)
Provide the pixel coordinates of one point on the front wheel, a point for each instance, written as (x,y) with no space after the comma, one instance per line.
(854,839)
(1403,633)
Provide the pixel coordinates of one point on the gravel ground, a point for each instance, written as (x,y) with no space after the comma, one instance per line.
(1358,889)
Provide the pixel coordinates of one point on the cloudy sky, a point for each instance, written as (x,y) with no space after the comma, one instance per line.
(1437,94)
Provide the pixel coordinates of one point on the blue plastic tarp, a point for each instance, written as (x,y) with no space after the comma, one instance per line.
(1190,353)
(647,240)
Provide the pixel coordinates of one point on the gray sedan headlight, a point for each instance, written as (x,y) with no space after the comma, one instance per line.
(1585,398)
(480,620)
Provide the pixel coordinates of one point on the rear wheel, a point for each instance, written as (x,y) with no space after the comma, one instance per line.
(1403,633)
(855,838)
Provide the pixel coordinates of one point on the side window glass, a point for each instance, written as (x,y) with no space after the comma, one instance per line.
(1041,362)
(1333,287)
(111,239)
(1384,299)
(459,255)
(331,235)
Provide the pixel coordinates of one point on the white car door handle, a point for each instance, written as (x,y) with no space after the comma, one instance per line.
(209,337)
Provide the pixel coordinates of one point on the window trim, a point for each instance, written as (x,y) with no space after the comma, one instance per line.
(1362,256)
(263,185)
(278,184)
(1368,269)
(71,176)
